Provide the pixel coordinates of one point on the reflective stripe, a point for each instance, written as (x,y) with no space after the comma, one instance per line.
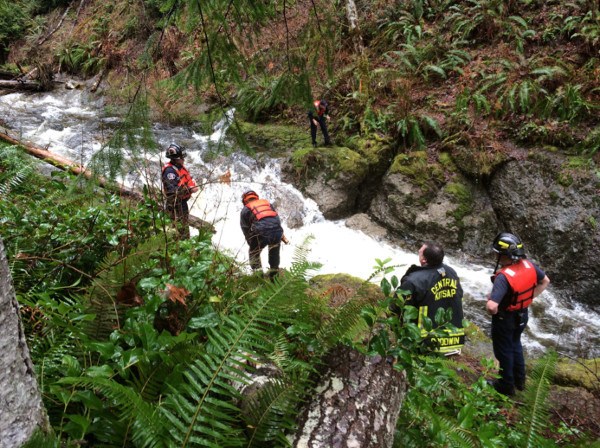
(185,179)
(451,343)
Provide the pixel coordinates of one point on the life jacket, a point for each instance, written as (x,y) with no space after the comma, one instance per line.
(320,110)
(438,287)
(261,208)
(522,279)
(185,179)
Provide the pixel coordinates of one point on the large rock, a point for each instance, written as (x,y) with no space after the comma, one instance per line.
(330,176)
(422,204)
(553,204)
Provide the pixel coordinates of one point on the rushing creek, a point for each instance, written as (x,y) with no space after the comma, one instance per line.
(75,124)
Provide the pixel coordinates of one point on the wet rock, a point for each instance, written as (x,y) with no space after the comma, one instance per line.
(457,214)
(330,176)
(555,209)
(362,222)
(72,85)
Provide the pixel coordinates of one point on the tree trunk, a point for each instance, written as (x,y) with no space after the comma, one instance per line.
(21,407)
(20,85)
(352,16)
(68,165)
(357,404)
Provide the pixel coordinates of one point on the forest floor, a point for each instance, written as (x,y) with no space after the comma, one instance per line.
(574,410)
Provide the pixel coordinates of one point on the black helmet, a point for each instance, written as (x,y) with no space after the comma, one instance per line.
(509,245)
(248,196)
(174,151)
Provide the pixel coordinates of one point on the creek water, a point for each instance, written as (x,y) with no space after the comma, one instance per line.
(76,125)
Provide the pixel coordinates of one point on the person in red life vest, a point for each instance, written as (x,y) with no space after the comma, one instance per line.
(318,116)
(178,186)
(516,284)
(432,286)
(261,226)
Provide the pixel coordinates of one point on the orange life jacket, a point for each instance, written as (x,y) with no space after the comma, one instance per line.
(320,109)
(261,208)
(522,279)
(185,179)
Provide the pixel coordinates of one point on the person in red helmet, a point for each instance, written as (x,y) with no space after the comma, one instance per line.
(261,226)
(516,284)
(318,116)
(178,186)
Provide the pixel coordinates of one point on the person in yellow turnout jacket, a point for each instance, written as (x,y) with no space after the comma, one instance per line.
(261,226)
(431,286)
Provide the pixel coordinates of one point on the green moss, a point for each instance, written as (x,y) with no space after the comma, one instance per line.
(373,148)
(582,373)
(332,161)
(416,166)
(475,162)
(348,161)
(463,196)
(276,139)
(356,287)
(576,162)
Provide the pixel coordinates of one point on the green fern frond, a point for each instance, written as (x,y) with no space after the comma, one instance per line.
(432,124)
(270,414)
(114,272)
(535,412)
(524,96)
(437,70)
(41,440)
(344,322)
(197,409)
(147,428)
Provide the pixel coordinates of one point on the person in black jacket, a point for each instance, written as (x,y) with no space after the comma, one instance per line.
(178,187)
(431,286)
(261,226)
(318,116)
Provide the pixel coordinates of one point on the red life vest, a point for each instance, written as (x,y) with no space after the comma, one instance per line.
(261,209)
(320,110)
(185,179)
(522,279)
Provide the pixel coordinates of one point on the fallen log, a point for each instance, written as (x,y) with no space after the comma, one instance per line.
(357,403)
(20,85)
(68,165)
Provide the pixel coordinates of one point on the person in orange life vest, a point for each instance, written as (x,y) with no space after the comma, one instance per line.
(515,285)
(431,286)
(261,226)
(318,116)
(178,186)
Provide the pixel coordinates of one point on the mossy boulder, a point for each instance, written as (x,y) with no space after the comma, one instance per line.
(338,289)
(557,221)
(422,199)
(275,139)
(581,373)
(331,176)
(477,163)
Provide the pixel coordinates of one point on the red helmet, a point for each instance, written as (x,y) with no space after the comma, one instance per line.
(249,195)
